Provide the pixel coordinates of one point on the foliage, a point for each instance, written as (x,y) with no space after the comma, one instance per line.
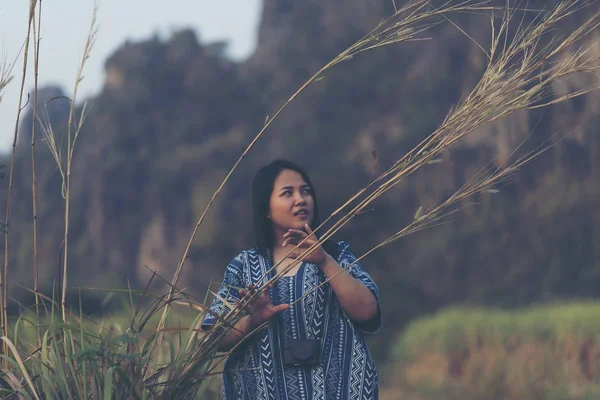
(543,352)
(112,357)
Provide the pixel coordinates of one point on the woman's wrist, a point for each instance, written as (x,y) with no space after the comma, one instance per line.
(242,328)
(326,263)
(249,325)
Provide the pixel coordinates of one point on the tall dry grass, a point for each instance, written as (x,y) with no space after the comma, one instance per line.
(37,32)
(4,274)
(414,18)
(521,68)
(74,126)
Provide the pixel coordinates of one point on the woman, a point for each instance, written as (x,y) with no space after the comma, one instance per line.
(315,348)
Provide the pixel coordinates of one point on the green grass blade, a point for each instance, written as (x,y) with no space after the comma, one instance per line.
(108,384)
(19,361)
(83,347)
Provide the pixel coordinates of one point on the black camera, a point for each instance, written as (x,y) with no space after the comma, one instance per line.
(301,352)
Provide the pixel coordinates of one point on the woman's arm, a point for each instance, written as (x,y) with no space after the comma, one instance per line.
(234,336)
(355,298)
(259,310)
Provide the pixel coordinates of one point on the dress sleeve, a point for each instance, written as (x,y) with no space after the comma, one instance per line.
(233,281)
(347,260)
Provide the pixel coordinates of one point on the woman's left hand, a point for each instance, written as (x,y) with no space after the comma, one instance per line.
(317,256)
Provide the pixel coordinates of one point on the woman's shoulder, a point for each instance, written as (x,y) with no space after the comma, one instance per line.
(250,252)
(245,255)
(336,248)
(342,247)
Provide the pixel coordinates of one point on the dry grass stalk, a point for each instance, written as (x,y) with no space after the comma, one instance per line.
(4,274)
(519,73)
(484,183)
(518,77)
(37,32)
(74,127)
(5,75)
(415,17)
(73,131)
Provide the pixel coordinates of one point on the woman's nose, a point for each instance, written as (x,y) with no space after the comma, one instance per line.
(300,199)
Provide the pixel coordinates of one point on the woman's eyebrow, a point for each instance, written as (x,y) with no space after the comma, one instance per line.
(289,187)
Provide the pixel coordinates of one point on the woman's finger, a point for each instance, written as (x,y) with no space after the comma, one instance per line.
(281,307)
(298,235)
(291,241)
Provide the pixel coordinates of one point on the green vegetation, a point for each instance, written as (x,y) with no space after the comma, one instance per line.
(542,352)
(113,357)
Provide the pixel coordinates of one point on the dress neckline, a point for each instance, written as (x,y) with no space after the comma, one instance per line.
(271,263)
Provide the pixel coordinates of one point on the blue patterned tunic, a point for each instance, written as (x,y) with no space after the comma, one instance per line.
(256,370)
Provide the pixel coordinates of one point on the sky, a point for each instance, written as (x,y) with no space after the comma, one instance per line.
(66,23)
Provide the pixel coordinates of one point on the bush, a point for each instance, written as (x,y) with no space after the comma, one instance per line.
(544,352)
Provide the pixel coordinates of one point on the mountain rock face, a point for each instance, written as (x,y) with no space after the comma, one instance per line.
(175,115)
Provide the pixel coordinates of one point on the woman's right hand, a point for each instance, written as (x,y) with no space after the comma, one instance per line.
(261,309)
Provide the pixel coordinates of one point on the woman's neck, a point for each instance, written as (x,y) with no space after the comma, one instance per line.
(279,252)
(278,238)
(279,258)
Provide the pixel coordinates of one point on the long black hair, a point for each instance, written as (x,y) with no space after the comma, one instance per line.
(262,187)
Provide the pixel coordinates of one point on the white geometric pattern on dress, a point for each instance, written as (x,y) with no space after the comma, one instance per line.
(346,369)
(357,371)
(318,383)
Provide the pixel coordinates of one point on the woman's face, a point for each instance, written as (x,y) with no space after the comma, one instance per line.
(291,205)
